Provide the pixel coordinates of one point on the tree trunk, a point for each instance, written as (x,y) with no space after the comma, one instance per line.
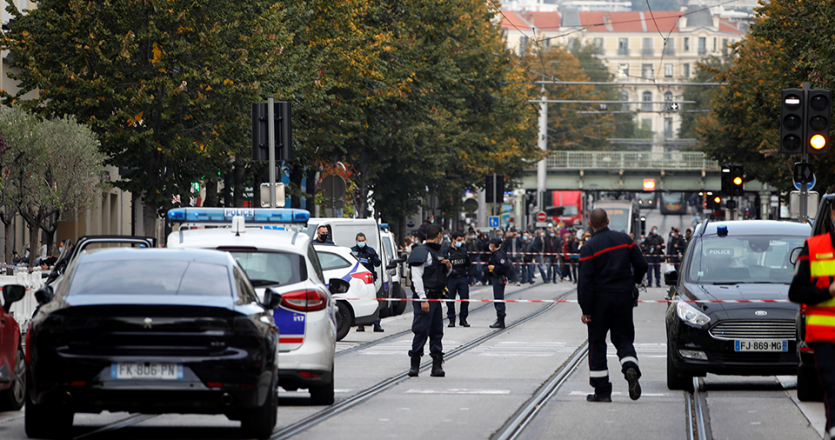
(256,192)
(296,175)
(9,245)
(149,220)
(211,193)
(34,227)
(401,230)
(310,190)
(238,190)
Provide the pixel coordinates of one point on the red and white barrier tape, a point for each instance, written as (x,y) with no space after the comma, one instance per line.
(645,301)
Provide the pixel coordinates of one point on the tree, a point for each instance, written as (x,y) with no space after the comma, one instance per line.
(16,129)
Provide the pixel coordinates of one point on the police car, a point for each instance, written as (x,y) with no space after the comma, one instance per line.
(276,256)
(362,309)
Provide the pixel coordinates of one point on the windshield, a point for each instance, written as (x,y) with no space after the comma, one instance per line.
(644,196)
(151,277)
(618,219)
(271,268)
(675,198)
(743,259)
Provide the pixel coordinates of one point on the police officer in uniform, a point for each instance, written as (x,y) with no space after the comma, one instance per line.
(368,257)
(610,266)
(458,279)
(322,236)
(497,267)
(429,280)
(813,285)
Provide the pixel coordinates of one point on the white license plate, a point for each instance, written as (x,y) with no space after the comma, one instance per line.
(761,345)
(146,370)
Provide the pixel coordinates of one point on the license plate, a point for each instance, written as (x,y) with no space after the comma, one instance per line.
(146,370)
(761,345)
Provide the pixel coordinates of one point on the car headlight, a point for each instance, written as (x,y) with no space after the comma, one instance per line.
(690,314)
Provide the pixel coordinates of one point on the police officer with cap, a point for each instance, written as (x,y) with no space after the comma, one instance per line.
(458,279)
(813,285)
(498,266)
(610,266)
(429,281)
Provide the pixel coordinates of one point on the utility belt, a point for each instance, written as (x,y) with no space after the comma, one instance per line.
(433,294)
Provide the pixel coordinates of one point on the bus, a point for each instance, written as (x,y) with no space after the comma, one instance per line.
(624,215)
(673,203)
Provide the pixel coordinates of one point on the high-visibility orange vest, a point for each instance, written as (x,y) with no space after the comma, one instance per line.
(820,318)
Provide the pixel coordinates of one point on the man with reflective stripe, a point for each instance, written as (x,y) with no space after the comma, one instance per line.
(813,285)
(610,265)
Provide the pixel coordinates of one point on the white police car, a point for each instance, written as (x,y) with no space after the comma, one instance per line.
(339,262)
(276,256)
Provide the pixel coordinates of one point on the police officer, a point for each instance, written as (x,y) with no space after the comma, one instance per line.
(368,257)
(655,247)
(610,265)
(322,236)
(429,280)
(813,285)
(497,267)
(458,279)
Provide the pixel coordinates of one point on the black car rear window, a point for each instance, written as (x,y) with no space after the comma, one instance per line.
(151,277)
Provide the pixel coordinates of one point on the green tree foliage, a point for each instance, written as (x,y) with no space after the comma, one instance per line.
(788,44)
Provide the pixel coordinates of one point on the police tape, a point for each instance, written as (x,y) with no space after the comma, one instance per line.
(573,263)
(644,301)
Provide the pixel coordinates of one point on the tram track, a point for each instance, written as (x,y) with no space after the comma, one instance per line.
(695,406)
(377,389)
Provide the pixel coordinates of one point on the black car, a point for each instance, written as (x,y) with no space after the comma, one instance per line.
(152,331)
(736,260)
(808,386)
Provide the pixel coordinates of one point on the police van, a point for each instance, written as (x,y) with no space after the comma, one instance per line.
(275,255)
(343,232)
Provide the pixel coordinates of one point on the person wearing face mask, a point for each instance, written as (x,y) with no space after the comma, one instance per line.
(552,246)
(498,267)
(368,257)
(457,283)
(655,249)
(445,242)
(813,286)
(676,248)
(322,236)
(526,267)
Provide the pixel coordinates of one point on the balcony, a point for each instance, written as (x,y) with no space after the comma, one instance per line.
(669,50)
(647,51)
(623,51)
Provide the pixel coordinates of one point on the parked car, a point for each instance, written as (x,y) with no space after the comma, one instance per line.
(362,308)
(12,365)
(92,242)
(737,260)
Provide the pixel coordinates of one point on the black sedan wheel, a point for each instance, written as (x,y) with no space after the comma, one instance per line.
(260,422)
(47,421)
(323,394)
(12,398)
(400,306)
(675,379)
(343,320)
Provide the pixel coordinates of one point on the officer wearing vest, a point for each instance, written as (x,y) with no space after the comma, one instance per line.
(458,279)
(497,268)
(610,266)
(369,258)
(429,280)
(813,285)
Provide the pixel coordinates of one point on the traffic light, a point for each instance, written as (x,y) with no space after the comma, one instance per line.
(714,203)
(490,197)
(726,179)
(260,131)
(737,180)
(817,121)
(791,121)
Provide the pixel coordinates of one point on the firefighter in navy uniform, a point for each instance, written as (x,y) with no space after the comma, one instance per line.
(458,279)
(813,285)
(497,268)
(369,258)
(429,280)
(610,266)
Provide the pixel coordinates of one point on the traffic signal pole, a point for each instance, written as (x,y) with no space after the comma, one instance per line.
(804,157)
(271,147)
(541,167)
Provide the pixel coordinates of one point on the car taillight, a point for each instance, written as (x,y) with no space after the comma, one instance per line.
(304,300)
(367,277)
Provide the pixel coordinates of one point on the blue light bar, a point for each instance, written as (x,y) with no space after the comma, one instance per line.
(250,215)
(384,226)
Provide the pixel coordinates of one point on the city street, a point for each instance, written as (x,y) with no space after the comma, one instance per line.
(491,377)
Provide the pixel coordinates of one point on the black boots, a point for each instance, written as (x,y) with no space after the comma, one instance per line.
(437,370)
(499,323)
(378,328)
(464,323)
(451,322)
(413,372)
(634,386)
(598,397)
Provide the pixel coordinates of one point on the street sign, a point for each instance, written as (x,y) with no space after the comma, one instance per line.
(809,185)
(541,216)
(493,221)
(280,198)
(803,172)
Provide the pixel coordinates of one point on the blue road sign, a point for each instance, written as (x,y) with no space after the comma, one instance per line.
(493,221)
(809,185)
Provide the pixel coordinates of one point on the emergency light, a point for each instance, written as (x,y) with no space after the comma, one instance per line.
(250,215)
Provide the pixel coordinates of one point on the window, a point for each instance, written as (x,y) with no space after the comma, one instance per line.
(264,268)
(598,44)
(314,261)
(668,96)
(668,70)
(623,70)
(687,44)
(170,277)
(623,46)
(647,71)
(646,49)
(647,105)
(670,46)
(714,43)
(523,45)
(724,47)
(331,261)
(702,45)
(624,96)
(686,70)
(742,259)
(668,127)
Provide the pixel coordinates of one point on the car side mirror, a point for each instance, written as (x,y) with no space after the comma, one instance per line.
(272,299)
(338,285)
(795,255)
(43,295)
(671,277)
(12,293)
(671,292)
